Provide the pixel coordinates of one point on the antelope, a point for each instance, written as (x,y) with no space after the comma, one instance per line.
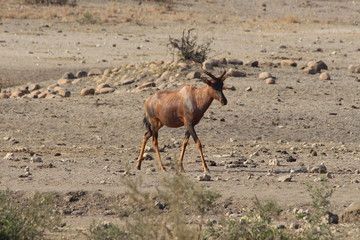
(183,107)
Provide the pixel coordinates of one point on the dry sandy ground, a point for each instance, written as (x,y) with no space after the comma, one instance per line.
(87,142)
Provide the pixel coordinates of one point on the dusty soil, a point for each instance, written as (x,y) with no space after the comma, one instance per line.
(86,143)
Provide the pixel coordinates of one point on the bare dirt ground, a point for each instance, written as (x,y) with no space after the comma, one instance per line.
(86,143)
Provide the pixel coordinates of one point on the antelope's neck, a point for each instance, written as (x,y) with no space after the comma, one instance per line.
(203,98)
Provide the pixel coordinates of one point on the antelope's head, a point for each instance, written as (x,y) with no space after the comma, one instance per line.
(216,85)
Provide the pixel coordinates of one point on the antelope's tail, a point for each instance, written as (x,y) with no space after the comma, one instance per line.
(147,123)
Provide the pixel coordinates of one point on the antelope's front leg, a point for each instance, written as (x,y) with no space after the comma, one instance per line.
(199,147)
(185,142)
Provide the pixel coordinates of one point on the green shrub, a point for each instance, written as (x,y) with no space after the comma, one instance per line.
(29,220)
(188,49)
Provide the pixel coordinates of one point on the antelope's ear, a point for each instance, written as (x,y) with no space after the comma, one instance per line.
(207,81)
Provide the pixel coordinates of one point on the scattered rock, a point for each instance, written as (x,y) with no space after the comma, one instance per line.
(33,87)
(288,63)
(319,169)
(270,80)
(35,159)
(9,156)
(81,74)
(192,75)
(290,158)
(105,90)
(324,76)
(234,61)
(147,85)
(252,64)
(17,93)
(354,68)
(63,81)
(309,71)
(295,226)
(87,91)
(265,75)
(274,162)
(4,95)
(285,178)
(62,92)
(317,65)
(331,218)
(204,177)
(235,73)
(94,72)
(351,213)
(68,75)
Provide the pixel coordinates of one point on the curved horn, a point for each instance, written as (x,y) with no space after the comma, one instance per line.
(222,75)
(209,74)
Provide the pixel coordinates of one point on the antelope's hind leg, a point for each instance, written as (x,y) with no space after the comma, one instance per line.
(146,137)
(155,143)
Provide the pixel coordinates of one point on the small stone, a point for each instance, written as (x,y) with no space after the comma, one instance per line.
(274,162)
(207,66)
(33,87)
(309,71)
(285,178)
(204,177)
(351,213)
(17,93)
(288,63)
(270,80)
(317,65)
(4,95)
(35,159)
(94,72)
(87,91)
(235,73)
(192,75)
(264,75)
(324,76)
(294,226)
(68,75)
(147,156)
(248,89)
(150,170)
(81,74)
(63,81)
(252,64)
(105,90)
(234,61)
(354,68)
(9,156)
(331,218)
(147,85)
(290,158)
(62,92)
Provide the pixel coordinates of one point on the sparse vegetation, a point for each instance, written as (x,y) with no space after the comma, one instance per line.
(106,231)
(29,220)
(51,2)
(253,225)
(179,210)
(188,48)
(88,18)
(320,196)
